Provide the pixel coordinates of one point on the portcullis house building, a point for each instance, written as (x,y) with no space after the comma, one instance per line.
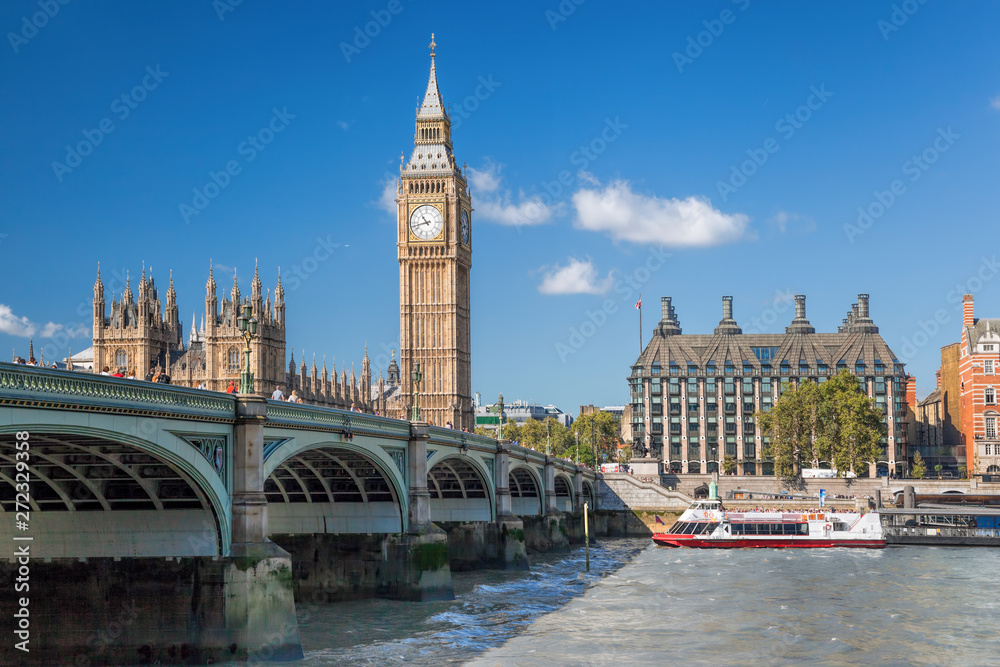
(693,396)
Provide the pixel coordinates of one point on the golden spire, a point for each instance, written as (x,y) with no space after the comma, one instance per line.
(432,45)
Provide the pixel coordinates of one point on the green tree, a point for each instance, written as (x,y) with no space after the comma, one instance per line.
(598,431)
(790,425)
(832,421)
(919,469)
(729,464)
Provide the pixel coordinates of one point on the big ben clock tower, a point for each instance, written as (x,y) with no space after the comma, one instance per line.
(435,256)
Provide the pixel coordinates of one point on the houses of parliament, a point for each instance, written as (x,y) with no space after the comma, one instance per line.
(434,249)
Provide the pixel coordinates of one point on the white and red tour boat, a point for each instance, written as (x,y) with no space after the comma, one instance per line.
(708,525)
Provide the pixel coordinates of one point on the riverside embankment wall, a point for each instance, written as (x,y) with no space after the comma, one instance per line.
(686,484)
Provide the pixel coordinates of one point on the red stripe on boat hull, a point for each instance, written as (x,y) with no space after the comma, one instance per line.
(695,542)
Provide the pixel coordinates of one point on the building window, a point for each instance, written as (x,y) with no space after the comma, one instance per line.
(729,368)
(988,366)
(121,359)
(988,449)
(692,369)
(841,365)
(785,368)
(710,368)
(991,428)
(803,367)
(991,396)
(655,368)
(674,368)
(879,367)
(859,367)
(234,358)
(747,369)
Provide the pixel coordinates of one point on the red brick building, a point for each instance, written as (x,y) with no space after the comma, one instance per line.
(979,378)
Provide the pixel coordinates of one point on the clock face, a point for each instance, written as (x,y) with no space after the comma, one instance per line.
(465,227)
(426,222)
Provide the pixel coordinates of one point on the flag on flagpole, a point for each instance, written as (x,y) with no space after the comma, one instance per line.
(638,304)
(658,519)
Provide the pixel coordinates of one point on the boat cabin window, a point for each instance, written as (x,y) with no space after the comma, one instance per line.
(770,529)
(693,528)
(707,505)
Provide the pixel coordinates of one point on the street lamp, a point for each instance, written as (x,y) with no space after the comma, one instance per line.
(416,377)
(577,434)
(499,409)
(594,442)
(548,437)
(247,324)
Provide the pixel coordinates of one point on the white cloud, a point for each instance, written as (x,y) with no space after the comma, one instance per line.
(21,326)
(14,325)
(51,329)
(486,179)
(630,216)
(343,125)
(786,222)
(577,277)
(387,199)
(995,103)
(498,204)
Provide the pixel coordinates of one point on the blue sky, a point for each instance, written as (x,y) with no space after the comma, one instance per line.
(728,146)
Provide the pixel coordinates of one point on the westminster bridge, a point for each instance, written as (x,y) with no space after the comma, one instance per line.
(189,521)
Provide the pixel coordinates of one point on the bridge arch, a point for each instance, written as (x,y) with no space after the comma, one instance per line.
(563,487)
(460,490)
(140,498)
(588,494)
(332,486)
(526,491)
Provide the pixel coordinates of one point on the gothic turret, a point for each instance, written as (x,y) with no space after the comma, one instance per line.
(211,302)
(279,302)
(98,303)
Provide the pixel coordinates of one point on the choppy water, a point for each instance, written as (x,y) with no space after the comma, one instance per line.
(643,604)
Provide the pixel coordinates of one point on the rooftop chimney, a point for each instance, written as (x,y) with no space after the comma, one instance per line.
(862,322)
(800,325)
(669,326)
(728,326)
(967,317)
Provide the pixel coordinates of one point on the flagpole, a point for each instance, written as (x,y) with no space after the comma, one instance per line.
(640,324)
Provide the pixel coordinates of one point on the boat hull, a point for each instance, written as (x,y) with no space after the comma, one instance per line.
(695,542)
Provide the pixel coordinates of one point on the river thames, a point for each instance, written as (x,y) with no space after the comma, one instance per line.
(643,604)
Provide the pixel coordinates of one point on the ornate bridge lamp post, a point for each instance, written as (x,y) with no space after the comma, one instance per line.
(416,377)
(247,325)
(548,437)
